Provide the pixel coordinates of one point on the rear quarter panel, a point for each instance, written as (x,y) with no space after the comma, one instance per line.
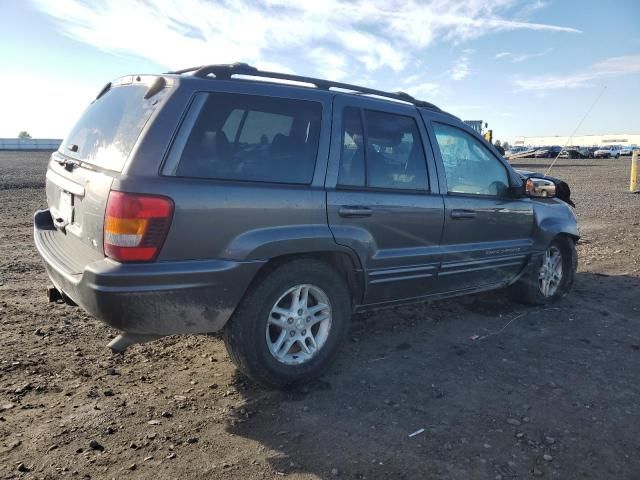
(220,219)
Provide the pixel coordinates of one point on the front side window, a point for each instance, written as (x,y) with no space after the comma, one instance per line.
(251,138)
(386,154)
(469,167)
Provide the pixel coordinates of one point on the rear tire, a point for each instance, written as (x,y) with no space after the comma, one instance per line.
(268,320)
(531,288)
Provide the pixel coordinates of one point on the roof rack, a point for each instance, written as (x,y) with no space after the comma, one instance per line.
(225,71)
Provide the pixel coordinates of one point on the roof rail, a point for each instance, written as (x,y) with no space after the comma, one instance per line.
(225,71)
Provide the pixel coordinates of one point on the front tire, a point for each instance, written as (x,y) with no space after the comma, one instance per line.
(291,325)
(551,278)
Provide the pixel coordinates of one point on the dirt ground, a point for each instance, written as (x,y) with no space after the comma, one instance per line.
(543,392)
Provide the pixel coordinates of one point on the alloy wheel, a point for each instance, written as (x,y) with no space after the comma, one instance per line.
(550,274)
(298,325)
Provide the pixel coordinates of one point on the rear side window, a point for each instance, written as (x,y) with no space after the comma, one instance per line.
(110,126)
(395,157)
(388,155)
(249,138)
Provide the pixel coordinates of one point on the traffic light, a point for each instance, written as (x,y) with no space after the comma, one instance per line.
(489,136)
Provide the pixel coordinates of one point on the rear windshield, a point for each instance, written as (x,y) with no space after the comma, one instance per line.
(108,129)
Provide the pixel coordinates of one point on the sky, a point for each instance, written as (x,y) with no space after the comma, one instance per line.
(526,67)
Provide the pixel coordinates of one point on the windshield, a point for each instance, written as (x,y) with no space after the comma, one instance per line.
(109,128)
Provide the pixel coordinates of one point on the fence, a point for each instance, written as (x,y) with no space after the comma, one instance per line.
(29,143)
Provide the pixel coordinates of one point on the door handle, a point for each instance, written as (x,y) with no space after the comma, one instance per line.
(354,211)
(461,214)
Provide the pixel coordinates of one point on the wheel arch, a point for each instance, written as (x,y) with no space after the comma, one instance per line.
(553,218)
(553,229)
(344,261)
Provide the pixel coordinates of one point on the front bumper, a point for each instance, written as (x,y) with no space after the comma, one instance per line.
(160,298)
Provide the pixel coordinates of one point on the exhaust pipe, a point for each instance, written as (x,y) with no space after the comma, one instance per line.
(56,296)
(66,299)
(53,294)
(118,344)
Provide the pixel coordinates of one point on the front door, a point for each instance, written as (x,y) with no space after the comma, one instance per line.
(382,196)
(487,231)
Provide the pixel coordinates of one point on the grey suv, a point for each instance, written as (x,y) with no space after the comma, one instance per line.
(204,200)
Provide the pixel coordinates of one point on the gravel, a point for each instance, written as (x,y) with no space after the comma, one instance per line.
(567,372)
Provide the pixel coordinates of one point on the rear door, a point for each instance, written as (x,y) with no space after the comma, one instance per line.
(487,232)
(81,172)
(246,171)
(382,196)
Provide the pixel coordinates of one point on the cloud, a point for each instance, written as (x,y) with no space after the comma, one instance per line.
(331,38)
(611,67)
(521,57)
(422,90)
(332,64)
(417,87)
(531,7)
(44,109)
(461,68)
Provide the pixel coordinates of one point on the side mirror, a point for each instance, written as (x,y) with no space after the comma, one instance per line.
(540,188)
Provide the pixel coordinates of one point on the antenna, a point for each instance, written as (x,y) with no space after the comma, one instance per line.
(574,132)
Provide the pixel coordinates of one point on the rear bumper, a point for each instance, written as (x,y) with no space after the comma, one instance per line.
(161,298)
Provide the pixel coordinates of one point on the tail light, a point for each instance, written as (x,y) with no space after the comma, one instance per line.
(135,226)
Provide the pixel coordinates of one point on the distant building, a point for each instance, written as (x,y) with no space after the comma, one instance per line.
(29,143)
(582,140)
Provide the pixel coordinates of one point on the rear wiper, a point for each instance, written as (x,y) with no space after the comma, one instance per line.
(155,87)
(67,163)
(104,90)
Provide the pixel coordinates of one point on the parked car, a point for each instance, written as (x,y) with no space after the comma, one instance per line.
(195,202)
(547,152)
(609,151)
(521,152)
(626,151)
(515,150)
(588,152)
(542,152)
(572,153)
